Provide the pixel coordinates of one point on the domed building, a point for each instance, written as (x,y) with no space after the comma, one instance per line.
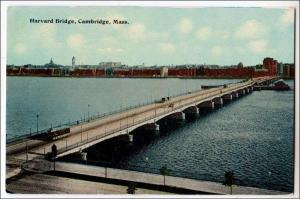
(240,65)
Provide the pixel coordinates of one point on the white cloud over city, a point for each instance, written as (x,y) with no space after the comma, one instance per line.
(153,37)
(203,33)
(76,41)
(251,29)
(287,18)
(167,48)
(185,26)
(258,46)
(20,48)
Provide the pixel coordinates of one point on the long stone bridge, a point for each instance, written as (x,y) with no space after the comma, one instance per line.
(87,134)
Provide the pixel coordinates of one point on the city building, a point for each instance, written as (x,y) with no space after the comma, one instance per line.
(109,64)
(73,62)
(288,71)
(280,69)
(164,72)
(271,65)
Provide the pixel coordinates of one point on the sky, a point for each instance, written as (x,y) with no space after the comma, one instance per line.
(154,36)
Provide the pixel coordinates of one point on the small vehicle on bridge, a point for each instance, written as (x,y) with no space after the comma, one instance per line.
(58,132)
(52,133)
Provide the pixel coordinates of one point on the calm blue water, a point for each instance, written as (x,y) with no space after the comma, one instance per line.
(252,136)
(60,100)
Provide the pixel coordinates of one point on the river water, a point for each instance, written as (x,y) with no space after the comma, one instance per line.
(253,136)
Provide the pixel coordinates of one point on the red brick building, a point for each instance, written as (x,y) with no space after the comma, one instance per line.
(87,73)
(271,65)
(182,72)
(32,71)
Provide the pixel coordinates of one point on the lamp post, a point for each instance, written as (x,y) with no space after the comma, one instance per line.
(37,123)
(54,154)
(81,132)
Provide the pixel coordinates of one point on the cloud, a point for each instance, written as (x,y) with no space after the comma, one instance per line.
(20,48)
(167,48)
(136,31)
(203,33)
(216,50)
(107,41)
(75,41)
(110,50)
(251,29)
(46,35)
(240,49)
(287,18)
(222,34)
(157,35)
(258,46)
(47,30)
(111,16)
(185,26)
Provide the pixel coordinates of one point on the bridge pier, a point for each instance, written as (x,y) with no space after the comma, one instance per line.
(241,92)
(178,116)
(235,95)
(251,88)
(81,156)
(257,88)
(227,98)
(151,127)
(247,90)
(126,138)
(218,101)
(206,106)
(192,110)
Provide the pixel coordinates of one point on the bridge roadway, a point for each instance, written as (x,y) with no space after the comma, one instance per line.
(90,133)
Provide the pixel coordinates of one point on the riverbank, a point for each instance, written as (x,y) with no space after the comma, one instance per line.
(38,176)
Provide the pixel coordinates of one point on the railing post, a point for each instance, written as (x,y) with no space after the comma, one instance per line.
(81,132)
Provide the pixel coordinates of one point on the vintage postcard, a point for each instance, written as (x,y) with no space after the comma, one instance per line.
(140,99)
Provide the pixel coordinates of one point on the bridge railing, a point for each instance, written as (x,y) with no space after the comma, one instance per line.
(128,125)
(112,131)
(89,119)
(99,116)
(122,127)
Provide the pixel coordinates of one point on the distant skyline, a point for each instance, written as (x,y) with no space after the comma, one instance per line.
(154,36)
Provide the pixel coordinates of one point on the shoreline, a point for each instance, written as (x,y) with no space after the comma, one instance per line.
(141,77)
